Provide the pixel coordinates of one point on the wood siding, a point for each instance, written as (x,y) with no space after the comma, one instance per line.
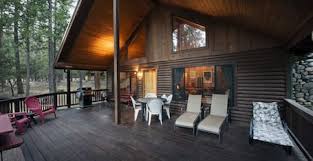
(260,66)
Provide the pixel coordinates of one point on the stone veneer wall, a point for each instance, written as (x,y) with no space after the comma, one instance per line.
(302,81)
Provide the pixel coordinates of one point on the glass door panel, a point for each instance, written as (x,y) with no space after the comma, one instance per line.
(225,81)
(150,81)
(179,84)
(124,82)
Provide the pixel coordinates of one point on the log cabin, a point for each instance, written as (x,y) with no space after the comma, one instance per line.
(241,46)
(183,47)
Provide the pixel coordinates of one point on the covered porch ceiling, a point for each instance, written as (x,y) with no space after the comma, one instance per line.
(88,42)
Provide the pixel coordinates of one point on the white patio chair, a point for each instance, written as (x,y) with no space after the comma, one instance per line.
(189,118)
(167,105)
(164,96)
(151,95)
(137,107)
(155,108)
(214,122)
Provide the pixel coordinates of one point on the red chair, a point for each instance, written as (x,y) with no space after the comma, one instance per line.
(9,141)
(20,120)
(34,106)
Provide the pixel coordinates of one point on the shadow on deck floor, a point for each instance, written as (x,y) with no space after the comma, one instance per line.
(90,135)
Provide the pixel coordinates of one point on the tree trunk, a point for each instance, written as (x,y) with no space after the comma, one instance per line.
(27,65)
(12,88)
(51,79)
(20,89)
(97,80)
(27,54)
(58,76)
(2,85)
(1,50)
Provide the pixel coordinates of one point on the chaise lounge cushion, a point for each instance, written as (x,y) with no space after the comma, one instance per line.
(267,125)
(187,119)
(272,134)
(211,123)
(266,112)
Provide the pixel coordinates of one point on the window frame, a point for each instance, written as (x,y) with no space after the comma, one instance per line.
(193,23)
(233,64)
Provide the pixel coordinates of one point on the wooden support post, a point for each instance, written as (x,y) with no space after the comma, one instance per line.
(55,100)
(68,93)
(116,25)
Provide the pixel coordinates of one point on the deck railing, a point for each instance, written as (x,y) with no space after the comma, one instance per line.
(59,99)
(300,123)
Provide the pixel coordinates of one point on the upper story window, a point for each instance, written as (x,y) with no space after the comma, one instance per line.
(187,35)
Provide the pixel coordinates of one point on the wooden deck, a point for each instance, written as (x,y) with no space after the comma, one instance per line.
(90,135)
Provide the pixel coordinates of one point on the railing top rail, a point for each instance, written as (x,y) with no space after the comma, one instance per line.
(43,95)
(301,110)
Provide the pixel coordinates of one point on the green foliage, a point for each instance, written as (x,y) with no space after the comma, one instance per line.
(33,16)
(7,69)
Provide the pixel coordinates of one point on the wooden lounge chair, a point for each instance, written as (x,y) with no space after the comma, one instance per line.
(214,122)
(190,118)
(266,126)
(34,106)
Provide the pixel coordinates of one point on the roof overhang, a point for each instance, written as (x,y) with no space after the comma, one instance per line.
(88,41)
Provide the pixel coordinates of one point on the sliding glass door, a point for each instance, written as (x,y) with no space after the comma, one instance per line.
(203,80)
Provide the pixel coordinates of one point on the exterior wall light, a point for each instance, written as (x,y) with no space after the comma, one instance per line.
(139,75)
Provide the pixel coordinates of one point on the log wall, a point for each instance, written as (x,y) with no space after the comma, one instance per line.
(260,66)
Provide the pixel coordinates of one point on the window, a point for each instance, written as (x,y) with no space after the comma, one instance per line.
(203,80)
(193,80)
(187,35)
(128,82)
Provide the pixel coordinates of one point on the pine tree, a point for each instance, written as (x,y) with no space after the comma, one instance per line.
(17,7)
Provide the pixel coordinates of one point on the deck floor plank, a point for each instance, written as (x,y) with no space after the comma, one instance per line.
(90,135)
